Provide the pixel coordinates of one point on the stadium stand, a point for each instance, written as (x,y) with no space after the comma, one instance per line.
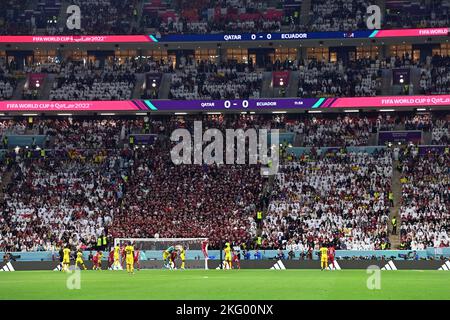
(92,82)
(84,177)
(347,131)
(194,77)
(340,199)
(13,17)
(7,81)
(425,211)
(193,210)
(106,16)
(417,14)
(211,16)
(206,16)
(360,78)
(12,127)
(440,133)
(73,191)
(435,75)
(89,184)
(211,81)
(57,200)
(346,15)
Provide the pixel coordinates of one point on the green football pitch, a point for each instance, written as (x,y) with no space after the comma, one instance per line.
(221,284)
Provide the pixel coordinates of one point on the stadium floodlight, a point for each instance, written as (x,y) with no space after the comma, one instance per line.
(351,110)
(421,109)
(315,111)
(276,112)
(386,110)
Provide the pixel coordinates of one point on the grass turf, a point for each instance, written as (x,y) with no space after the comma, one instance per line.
(229,284)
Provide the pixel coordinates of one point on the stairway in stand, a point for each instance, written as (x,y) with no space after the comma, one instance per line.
(397,191)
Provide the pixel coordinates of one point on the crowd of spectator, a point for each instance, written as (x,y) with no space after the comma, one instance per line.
(93,180)
(106,17)
(191,78)
(86,134)
(440,133)
(436,124)
(325,15)
(7,81)
(355,130)
(419,122)
(357,78)
(417,14)
(435,75)
(425,209)
(217,202)
(12,127)
(54,201)
(13,18)
(213,16)
(339,199)
(95,184)
(79,81)
(48,66)
(342,131)
(225,25)
(203,17)
(343,15)
(72,191)
(207,80)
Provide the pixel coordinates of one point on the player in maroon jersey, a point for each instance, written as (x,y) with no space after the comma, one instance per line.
(111,258)
(136,259)
(173,256)
(236,259)
(95,262)
(331,253)
(205,248)
(122,256)
(205,252)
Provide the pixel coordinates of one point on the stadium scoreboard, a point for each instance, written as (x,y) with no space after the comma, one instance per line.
(439,101)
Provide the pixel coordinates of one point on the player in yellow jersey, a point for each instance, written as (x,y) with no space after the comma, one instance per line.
(324,257)
(227,251)
(168,255)
(100,257)
(66,258)
(79,259)
(129,250)
(182,256)
(116,264)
